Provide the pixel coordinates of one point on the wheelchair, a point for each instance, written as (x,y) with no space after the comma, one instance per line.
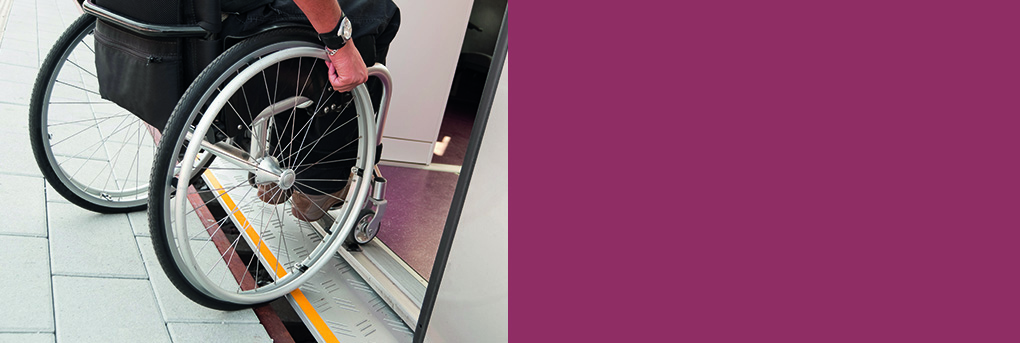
(261,117)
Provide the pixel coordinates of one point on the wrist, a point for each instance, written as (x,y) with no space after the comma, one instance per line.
(336,38)
(347,47)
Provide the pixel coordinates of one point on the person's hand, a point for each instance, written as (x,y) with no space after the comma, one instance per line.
(347,70)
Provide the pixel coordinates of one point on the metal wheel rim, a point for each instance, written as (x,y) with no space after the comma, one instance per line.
(318,257)
(85,191)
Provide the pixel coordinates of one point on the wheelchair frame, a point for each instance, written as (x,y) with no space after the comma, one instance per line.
(197,31)
(368,219)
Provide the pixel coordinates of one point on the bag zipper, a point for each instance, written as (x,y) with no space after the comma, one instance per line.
(149,59)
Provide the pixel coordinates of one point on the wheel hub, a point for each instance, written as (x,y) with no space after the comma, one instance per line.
(287,179)
(269,171)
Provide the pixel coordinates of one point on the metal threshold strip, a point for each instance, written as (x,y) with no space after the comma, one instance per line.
(337,304)
(396,282)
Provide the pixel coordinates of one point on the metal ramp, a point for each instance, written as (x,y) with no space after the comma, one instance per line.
(337,304)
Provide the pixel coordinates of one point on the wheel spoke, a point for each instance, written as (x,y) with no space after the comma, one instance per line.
(287,135)
(85,120)
(324,157)
(73,86)
(82,69)
(302,148)
(79,132)
(93,170)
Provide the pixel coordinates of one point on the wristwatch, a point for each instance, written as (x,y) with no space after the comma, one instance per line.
(337,40)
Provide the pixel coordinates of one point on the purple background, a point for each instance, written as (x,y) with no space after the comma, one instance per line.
(766,171)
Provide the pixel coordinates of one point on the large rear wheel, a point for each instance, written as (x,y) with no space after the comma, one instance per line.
(290,139)
(94,153)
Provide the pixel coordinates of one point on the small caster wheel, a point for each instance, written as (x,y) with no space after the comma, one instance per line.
(362,233)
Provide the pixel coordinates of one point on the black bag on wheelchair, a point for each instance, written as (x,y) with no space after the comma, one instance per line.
(141,74)
(147,74)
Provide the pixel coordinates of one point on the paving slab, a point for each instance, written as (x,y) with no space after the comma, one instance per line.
(23,204)
(19,43)
(16,154)
(26,338)
(22,9)
(177,308)
(13,118)
(201,333)
(140,221)
(53,24)
(20,74)
(18,93)
(53,196)
(27,302)
(139,224)
(20,27)
(20,58)
(106,310)
(91,244)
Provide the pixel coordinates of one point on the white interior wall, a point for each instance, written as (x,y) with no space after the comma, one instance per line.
(422,60)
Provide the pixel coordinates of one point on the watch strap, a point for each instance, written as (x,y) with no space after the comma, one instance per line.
(332,38)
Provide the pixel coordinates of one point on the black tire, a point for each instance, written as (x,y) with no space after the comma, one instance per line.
(39,130)
(193,102)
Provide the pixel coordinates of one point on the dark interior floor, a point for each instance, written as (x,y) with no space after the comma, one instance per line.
(419,199)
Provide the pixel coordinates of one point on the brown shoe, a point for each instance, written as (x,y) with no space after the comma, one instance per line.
(272,194)
(309,208)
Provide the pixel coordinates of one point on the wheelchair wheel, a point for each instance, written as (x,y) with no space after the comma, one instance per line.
(289,123)
(93,152)
(363,233)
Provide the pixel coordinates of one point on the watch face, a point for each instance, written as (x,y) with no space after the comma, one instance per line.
(345,29)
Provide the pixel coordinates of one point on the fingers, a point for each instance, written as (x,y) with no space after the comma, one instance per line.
(346,79)
(346,82)
(334,79)
(346,69)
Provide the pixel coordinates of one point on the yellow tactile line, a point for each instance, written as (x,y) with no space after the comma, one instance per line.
(299,297)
